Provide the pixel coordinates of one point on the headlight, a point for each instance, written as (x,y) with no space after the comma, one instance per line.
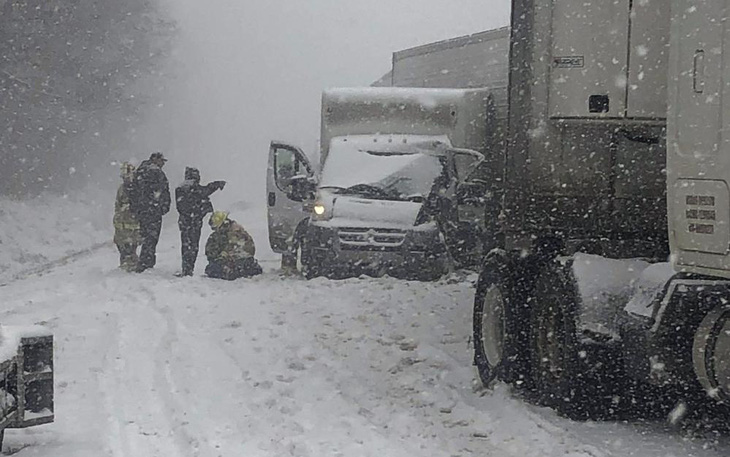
(321,211)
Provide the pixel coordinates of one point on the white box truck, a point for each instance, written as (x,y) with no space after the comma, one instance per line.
(392,160)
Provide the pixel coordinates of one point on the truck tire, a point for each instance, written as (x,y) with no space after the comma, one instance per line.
(498,343)
(579,380)
(433,268)
(308,264)
(555,352)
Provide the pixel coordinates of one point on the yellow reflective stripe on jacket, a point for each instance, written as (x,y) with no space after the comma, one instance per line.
(126,225)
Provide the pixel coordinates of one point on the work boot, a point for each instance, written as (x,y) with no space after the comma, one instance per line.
(288,264)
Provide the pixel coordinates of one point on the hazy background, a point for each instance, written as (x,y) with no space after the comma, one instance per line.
(245,72)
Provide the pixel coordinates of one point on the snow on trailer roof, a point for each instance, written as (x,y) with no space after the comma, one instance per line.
(395,95)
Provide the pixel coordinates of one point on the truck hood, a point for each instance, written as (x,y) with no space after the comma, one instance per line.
(371,212)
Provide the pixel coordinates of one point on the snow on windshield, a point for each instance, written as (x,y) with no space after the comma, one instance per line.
(390,163)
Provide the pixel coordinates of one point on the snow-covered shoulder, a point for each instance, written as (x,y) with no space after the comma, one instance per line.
(48,228)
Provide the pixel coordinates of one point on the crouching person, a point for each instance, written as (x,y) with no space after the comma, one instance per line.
(230,250)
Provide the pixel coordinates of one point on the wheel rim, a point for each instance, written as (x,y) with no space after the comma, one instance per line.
(711,353)
(493,326)
(722,358)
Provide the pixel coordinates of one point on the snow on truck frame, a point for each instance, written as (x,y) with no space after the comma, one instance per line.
(26,377)
(383,150)
(613,138)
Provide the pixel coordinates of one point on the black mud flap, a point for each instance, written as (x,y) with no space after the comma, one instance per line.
(35,381)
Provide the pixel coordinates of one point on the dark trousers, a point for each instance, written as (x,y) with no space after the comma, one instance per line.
(150,230)
(241,268)
(190,242)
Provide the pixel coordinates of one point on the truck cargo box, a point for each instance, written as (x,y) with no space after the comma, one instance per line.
(587,115)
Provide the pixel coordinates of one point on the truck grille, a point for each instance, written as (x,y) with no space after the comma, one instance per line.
(370,239)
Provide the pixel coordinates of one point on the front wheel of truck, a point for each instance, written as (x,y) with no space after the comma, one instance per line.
(307,261)
(498,324)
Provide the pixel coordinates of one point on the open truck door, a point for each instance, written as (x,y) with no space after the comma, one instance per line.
(289,185)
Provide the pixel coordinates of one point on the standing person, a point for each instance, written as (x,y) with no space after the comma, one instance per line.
(230,250)
(126,225)
(151,201)
(193,203)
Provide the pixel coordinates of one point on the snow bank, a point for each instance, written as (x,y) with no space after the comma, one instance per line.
(50,228)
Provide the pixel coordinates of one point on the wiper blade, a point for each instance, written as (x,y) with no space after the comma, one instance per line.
(332,187)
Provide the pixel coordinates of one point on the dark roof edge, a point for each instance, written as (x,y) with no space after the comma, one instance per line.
(502,32)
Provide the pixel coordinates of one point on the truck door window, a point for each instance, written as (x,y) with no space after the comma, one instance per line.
(286,166)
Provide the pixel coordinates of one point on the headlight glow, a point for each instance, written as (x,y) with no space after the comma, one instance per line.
(319,209)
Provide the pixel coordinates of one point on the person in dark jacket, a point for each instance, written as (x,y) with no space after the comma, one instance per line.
(193,203)
(150,201)
(230,250)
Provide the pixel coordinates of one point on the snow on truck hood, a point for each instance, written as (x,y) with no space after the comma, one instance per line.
(350,210)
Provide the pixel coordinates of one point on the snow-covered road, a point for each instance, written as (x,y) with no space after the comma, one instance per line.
(153,365)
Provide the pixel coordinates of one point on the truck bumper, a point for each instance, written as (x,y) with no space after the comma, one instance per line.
(347,251)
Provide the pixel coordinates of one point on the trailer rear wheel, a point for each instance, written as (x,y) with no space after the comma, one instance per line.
(497,349)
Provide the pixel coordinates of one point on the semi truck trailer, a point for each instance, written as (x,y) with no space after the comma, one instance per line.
(616,157)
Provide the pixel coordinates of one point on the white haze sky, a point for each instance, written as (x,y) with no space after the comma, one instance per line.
(249,71)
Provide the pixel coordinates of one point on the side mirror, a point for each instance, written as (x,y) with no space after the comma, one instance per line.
(301,188)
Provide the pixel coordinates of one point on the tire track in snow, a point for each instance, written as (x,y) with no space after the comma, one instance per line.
(296,393)
(138,420)
(220,427)
(161,357)
(118,438)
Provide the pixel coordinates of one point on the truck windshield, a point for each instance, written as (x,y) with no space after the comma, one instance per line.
(388,171)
